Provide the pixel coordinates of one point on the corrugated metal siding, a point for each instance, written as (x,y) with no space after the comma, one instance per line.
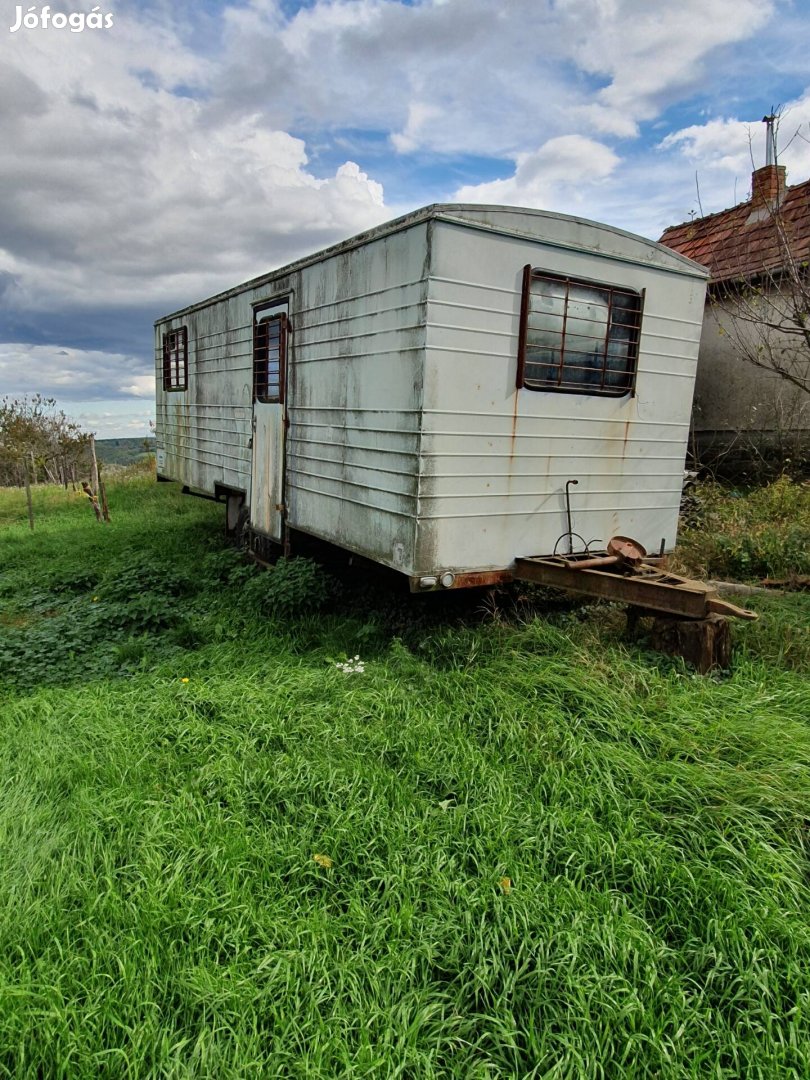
(354,408)
(353,400)
(205,430)
(494,460)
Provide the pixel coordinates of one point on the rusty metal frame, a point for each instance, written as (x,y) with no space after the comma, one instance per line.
(524,319)
(261,347)
(473,579)
(601,388)
(648,588)
(175,352)
(644,587)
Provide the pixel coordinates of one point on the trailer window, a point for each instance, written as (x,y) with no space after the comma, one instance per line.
(269,357)
(577,337)
(175,359)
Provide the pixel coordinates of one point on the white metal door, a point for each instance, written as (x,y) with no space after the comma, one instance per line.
(270,336)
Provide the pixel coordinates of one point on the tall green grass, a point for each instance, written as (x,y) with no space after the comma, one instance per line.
(552,854)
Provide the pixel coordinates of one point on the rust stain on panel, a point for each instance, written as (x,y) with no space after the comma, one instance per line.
(482,577)
(512,440)
(472,580)
(515,409)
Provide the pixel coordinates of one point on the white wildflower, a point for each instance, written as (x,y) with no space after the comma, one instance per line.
(355,666)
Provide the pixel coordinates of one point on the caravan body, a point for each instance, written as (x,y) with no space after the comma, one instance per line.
(421,394)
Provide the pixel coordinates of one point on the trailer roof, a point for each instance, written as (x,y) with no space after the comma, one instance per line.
(554,230)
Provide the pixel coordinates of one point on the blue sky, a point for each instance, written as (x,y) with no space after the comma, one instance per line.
(191,146)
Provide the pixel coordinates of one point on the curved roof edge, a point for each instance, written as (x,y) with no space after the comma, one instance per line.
(472,215)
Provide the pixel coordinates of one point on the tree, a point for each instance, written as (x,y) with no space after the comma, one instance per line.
(38,442)
(767,314)
(768,302)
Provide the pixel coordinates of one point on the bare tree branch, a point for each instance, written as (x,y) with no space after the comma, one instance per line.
(765,310)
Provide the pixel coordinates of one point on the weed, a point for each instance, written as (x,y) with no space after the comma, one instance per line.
(290,588)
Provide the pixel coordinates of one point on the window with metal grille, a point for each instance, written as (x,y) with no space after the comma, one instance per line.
(577,337)
(175,359)
(269,357)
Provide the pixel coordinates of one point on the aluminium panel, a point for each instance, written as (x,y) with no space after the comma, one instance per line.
(516,448)
(355,397)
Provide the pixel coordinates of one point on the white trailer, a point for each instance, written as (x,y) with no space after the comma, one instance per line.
(420,394)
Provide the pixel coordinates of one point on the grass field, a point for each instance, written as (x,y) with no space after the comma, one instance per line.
(509,846)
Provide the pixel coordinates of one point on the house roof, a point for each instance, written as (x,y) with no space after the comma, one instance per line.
(744,241)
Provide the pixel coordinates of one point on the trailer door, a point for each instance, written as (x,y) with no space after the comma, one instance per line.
(270,338)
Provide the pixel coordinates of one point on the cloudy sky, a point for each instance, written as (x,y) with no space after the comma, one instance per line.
(192,145)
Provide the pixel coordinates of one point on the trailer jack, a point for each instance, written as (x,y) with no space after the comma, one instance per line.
(691,617)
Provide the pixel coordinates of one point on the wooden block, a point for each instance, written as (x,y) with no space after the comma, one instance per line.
(704,643)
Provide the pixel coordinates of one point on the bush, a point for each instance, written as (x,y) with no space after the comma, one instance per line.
(764,532)
(291,587)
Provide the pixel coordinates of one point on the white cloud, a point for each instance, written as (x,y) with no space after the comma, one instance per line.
(69,374)
(116,188)
(653,53)
(114,420)
(562,170)
(472,76)
(420,115)
(644,194)
(733,146)
(111,394)
(119,192)
(142,386)
(720,143)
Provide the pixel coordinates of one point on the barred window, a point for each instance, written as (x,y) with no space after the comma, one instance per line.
(577,337)
(269,357)
(175,359)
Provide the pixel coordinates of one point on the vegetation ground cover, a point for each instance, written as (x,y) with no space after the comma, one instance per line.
(541,851)
(747,534)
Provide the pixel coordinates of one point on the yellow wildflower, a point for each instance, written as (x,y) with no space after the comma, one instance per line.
(184,679)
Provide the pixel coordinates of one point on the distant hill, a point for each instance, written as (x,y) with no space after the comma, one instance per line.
(124,451)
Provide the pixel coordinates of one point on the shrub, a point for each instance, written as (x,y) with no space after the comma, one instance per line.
(130,580)
(291,587)
(764,532)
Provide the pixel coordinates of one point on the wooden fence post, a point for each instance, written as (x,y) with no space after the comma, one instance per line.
(27,480)
(93,499)
(102,492)
(94,471)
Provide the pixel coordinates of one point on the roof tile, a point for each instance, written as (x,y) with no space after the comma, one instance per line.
(740,243)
